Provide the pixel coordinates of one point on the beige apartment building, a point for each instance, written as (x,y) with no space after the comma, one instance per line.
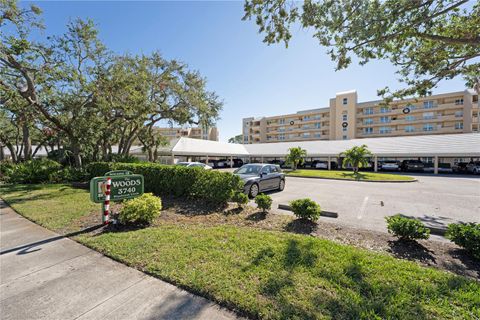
(346,118)
(209,133)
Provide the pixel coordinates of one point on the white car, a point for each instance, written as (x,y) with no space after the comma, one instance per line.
(391,165)
(194,164)
(473,167)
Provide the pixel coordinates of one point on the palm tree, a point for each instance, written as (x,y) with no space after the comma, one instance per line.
(295,156)
(357,157)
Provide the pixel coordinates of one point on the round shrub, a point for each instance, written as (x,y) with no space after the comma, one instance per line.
(141,210)
(306,209)
(407,228)
(240,198)
(263,202)
(466,236)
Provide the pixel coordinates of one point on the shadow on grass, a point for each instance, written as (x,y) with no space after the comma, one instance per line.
(354,176)
(301,226)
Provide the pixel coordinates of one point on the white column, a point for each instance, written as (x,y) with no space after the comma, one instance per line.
(329,164)
(173,158)
(435,165)
(375,164)
(261,159)
(231,161)
(206,160)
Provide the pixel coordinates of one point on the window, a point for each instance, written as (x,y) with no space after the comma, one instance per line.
(459,114)
(273,169)
(306,134)
(317,135)
(368,110)
(409,129)
(281,136)
(281,129)
(344,117)
(428,115)
(384,119)
(317,125)
(368,130)
(367,121)
(281,121)
(458,125)
(345,101)
(428,127)
(459,101)
(344,129)
(305,127)
(410,118)
(384,109)
(385,130)
(306,118)
(345,138)
(428,104)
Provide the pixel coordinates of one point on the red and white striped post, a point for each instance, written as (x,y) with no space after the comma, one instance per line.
(106,203)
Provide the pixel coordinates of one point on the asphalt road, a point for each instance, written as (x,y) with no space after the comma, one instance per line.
(436,200)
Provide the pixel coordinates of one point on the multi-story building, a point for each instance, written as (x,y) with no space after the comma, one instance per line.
(210,133)
(346,118)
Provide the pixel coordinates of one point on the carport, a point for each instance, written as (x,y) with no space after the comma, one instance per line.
(206,148)
(466,146)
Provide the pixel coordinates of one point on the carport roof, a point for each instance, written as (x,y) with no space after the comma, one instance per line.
(445,145)
(198,147)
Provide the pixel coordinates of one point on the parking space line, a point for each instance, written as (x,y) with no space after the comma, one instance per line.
(363,208)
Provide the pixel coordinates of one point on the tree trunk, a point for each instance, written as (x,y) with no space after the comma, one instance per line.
(76,154)
(27,142)
(150,154)
(13,152)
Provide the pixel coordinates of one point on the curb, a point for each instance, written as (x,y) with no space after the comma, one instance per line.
(437,231)
(327,214)
(338,179)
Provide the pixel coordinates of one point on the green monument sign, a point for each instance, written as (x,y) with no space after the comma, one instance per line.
(123,186)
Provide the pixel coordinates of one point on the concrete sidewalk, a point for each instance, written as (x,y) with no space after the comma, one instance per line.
(46,276)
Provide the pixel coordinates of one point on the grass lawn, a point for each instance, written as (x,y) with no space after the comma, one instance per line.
(348,175)
(54,206)
(271,274)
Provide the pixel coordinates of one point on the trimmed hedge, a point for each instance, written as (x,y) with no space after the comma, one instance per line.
(141,210)
(466,236)
(213,187)
(306,209)
(407,228)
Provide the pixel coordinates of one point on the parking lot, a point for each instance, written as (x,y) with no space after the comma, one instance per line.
(436,200)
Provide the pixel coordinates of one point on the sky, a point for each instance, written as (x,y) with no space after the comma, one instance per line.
(252,78)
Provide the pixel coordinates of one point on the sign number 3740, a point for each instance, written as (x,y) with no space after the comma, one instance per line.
(126,190)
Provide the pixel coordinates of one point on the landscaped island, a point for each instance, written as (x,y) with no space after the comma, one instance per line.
(261,273)
(348,175)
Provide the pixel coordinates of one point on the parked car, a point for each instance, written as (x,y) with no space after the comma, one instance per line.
(194,164)
(460,167)
(428,167)
(390,165)
(317,164)
(236,163)
(445,168)
(259,177)
(412,165)
(473,167)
